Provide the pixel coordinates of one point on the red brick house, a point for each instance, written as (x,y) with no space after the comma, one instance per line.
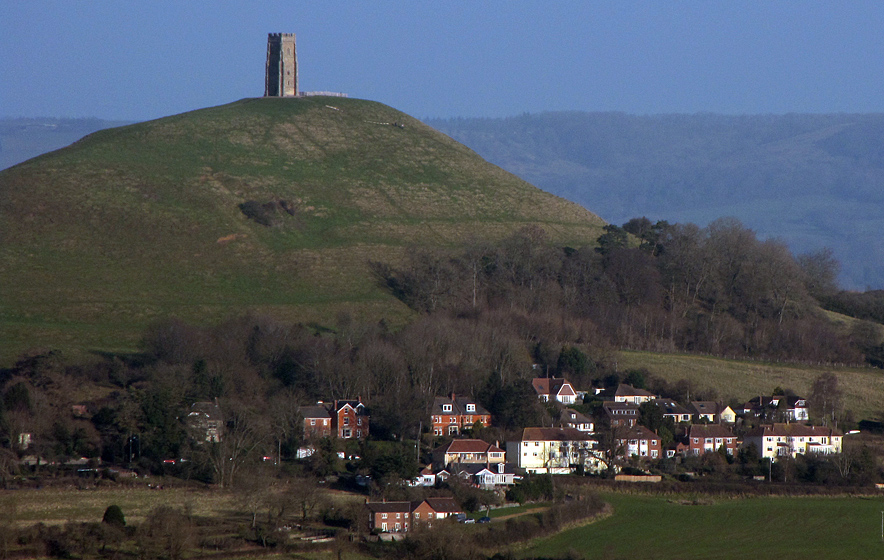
(639,442)
(389,517)
(451,415)
(707,438)
(401,517)
(621,414)
(350,419)
(317,421)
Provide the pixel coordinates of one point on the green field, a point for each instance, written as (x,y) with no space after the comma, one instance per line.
(650,527)
(742,379)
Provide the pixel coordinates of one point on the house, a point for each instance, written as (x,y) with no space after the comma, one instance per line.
(389,517)
(466,451)
(429,510)
(401,517)
(424,478)
(673,410)
(786,408)
(779,440)
(317,421)
(451,415)
(487,476)
(571,418)
(554,388)
(712,412)
(350,419)
(205,421)
(555,451)
(629,394)
(638,441)
(620,414)
(707,438)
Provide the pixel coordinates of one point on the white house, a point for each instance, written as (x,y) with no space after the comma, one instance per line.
(554,388)
(779,440)
(555,451)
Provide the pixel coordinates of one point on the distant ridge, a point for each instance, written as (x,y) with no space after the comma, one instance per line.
(810,180)
(264,205)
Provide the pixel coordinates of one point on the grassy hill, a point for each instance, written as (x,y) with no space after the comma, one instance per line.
(268,205)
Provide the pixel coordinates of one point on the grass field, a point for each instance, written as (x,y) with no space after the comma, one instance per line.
(863,388)
(784,528)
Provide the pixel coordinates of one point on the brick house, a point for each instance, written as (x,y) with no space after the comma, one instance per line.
(640,442)
(451,415)
(430,510)
(707,438)
(389,517)
(350,419)
(317,421)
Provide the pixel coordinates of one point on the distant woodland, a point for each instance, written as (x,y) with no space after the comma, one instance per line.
(809,180)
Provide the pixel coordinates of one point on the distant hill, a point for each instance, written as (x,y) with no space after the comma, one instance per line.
(23,139)
(266,205)
(812,180)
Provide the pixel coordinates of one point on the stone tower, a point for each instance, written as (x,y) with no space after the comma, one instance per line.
(281,71)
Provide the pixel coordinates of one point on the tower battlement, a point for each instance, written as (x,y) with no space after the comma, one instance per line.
(281,70)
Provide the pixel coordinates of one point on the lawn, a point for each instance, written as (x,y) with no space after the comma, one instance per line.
(650,527)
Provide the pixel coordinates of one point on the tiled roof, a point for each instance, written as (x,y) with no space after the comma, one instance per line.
(554,434)
(389,507)
(458,406)
(315,412)
(709,431)
(440,505)
(624,390)
(792,430)
(551,386)
(639,432)
(472,446)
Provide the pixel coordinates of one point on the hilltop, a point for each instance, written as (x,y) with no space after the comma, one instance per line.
(272,206)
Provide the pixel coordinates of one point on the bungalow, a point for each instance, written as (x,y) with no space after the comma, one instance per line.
(672,409)
(712,412)
(466,451)
(706,438)
(628,393)
(554,388)
(779,440)
(555,451)
(451,415)
(488,476)
(787,408)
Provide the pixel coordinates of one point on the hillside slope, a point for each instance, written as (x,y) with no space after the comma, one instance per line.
(807,179)
(150,220)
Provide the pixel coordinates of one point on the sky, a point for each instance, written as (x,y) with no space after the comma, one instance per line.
(127,60)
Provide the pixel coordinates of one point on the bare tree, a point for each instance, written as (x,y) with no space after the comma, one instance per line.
(825,398)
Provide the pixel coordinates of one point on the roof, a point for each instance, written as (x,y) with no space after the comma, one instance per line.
(439,505)
(624,390)
(575,417)
(792,430)
(623,408)
(706,407)
(354,404)
(471,446)
(639,432)
(476,468)
(552,386)
(669,406)
(459,405)
(555,434)
(709,430)
(314,412)
(389,507)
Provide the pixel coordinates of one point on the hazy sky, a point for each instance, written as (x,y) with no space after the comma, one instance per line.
(147,59)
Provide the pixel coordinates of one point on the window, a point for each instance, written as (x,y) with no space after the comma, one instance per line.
(383,516)
(446,408)
(471,408)
(325,422)
(346,421)
(312,422)
(417,515)
(359,421)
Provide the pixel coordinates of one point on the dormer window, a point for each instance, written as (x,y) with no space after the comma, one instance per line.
(471,408)
(446,408)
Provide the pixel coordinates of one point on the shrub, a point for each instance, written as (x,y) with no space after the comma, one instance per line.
(113,516)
